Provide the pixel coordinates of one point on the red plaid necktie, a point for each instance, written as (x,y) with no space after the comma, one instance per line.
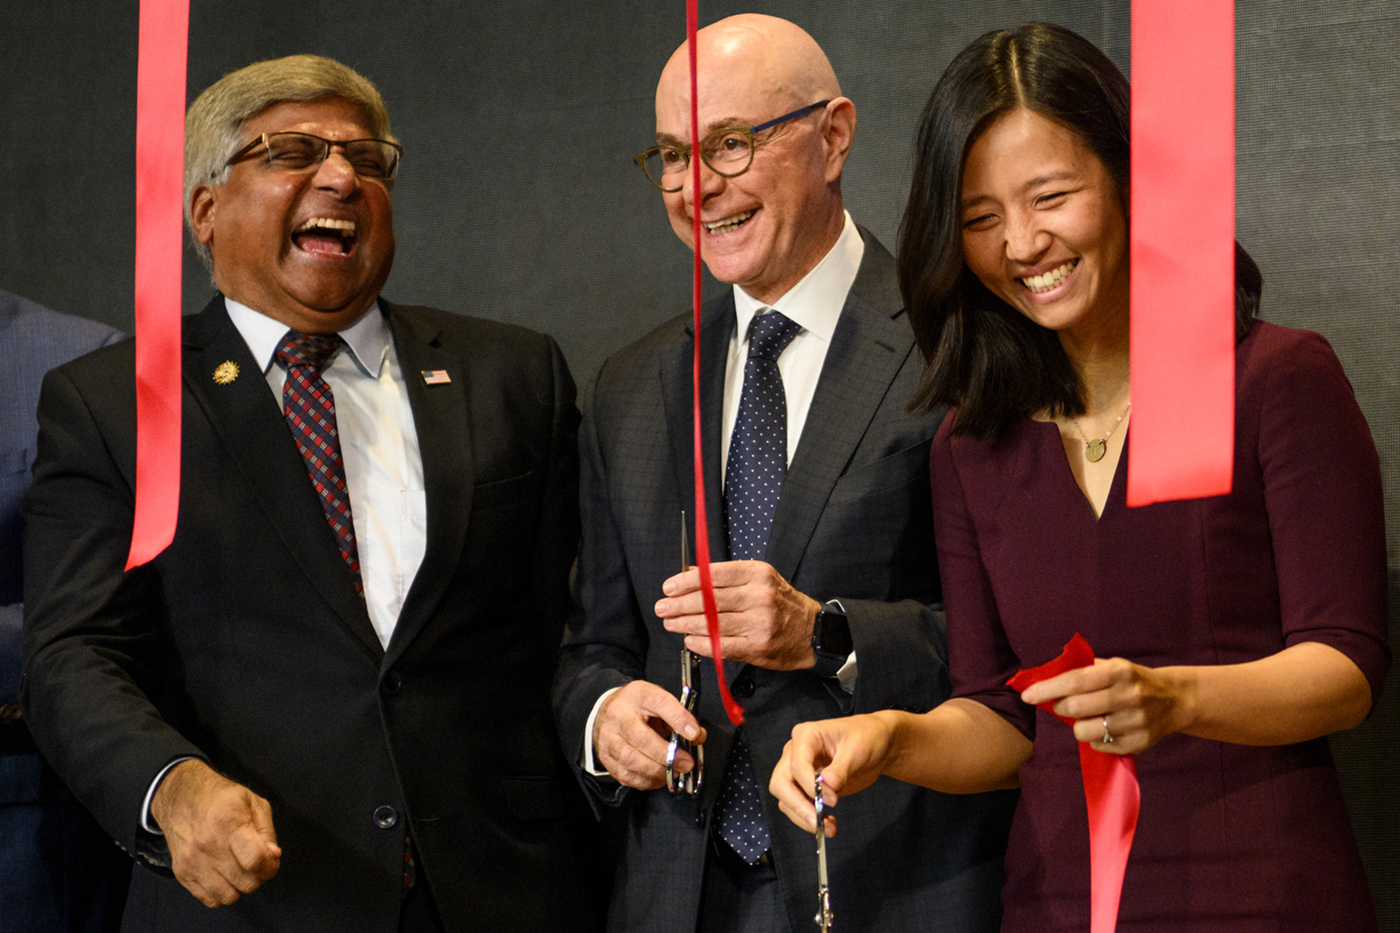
(309,407)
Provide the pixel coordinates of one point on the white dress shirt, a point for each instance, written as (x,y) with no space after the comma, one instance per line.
(383,465)
(815,303)
(379,444)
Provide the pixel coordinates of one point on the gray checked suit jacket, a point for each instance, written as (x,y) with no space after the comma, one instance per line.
(853,523)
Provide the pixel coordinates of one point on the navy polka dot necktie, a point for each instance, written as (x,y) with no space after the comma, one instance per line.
(309,407)
(757,466)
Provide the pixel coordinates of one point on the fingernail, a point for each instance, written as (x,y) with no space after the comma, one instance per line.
(668,587)
(691,732)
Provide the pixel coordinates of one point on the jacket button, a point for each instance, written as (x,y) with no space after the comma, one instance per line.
(742,687)
(392,683)
(385,817)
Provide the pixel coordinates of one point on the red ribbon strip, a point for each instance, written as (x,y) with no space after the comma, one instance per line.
(1182,250)
(160,158)
(732,709)
(1111,793)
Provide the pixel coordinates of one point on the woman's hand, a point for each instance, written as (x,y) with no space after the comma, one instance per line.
(1133,705)
(1304,691)
(850,754)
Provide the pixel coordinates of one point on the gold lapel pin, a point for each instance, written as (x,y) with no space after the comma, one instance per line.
(226,372)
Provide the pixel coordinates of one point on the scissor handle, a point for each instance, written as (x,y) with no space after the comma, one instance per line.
(688,783)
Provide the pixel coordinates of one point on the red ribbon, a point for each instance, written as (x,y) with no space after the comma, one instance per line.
(1111,793)
(732,709)
(1182,250)
(160,156)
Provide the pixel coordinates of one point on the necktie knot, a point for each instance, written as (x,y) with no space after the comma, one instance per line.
(770,333)
(298,349)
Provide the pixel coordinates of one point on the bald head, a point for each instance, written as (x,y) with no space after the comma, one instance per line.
(771,56)
(767,225)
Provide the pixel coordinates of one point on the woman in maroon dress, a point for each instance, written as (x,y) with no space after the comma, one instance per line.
(1234,632)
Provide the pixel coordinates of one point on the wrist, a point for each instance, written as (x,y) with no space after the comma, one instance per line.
(831,638)
(891,726)
(1182,685)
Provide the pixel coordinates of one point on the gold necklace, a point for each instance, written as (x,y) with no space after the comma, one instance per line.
(1096,448)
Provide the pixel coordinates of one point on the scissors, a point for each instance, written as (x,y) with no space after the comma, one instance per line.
(824,915)
(688,783)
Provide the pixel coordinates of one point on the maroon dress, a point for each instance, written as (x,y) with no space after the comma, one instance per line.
(1230,837)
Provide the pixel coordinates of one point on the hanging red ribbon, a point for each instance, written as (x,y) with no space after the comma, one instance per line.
(160,156)
(1182,250)
(732,709)
(1111,794)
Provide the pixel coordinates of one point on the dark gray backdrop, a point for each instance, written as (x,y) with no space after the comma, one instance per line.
(518,199)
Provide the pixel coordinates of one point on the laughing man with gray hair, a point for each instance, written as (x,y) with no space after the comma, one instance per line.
(325,706)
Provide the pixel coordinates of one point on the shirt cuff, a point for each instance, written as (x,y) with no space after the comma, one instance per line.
(148,823)
(588,762)
(847,674)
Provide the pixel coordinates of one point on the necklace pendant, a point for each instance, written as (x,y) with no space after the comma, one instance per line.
(1095,449)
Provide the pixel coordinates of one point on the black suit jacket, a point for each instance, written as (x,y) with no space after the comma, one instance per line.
(853,523)
(245,643)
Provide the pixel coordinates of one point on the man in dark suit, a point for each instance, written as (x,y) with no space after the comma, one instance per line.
(61,872)
(325,706)
(828,603)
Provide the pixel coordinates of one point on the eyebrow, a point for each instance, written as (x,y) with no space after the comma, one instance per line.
(724,123)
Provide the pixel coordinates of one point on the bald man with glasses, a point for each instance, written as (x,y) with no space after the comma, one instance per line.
(826,578)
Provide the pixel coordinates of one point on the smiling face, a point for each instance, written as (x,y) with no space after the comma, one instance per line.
(1043,226)
(767,228)
(312,248)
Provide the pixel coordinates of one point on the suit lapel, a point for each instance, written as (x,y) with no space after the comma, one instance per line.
(441,418)
(251,427)
(716,329)
(870,344)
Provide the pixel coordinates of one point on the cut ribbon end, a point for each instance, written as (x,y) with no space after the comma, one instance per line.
(1111,794)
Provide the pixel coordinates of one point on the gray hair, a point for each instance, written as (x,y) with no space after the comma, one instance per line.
(214,122)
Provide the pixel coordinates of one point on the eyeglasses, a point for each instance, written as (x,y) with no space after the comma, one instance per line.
(728,151)
(297,152)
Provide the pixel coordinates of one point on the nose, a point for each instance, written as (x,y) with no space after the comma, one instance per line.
(1026,240)
(335,173)
(711,182)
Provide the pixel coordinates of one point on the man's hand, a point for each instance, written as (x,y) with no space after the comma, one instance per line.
(762,619)
(220,834)
(633,729)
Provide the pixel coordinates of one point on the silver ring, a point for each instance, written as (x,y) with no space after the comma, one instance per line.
(1107,736)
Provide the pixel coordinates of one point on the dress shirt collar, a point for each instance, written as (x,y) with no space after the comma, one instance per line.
(816,301)
(367,339)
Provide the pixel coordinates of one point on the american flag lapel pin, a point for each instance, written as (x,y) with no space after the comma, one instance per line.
(436,377)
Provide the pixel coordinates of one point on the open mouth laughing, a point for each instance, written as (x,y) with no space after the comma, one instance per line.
(1048,280)
(325,235)
(728,224)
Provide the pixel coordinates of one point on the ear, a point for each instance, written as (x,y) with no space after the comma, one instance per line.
(840,132)
(202,213)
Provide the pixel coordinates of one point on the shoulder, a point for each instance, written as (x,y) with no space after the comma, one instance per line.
(645,351)
(1268,346)
(41,338)
(465,332)
(877,282)
(1276,363)
(636,367)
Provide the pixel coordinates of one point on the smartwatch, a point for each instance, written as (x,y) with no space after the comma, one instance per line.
(831,639)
